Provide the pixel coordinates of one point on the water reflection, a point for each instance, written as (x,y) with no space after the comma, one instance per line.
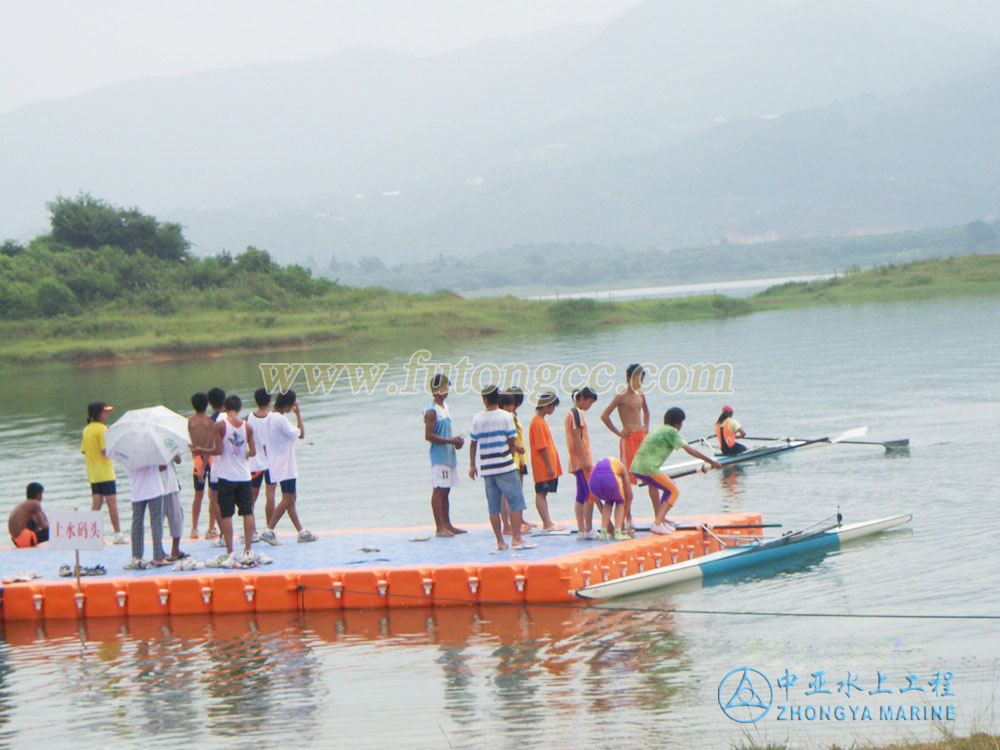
(730,479)
(154,679)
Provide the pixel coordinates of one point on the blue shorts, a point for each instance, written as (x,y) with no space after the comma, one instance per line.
(199,481)
(503,485)
(104,488)
(288,486)
(259,477)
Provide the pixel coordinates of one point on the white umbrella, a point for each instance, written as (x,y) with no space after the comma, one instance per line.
(146,437)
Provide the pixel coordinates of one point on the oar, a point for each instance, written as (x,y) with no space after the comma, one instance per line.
(889,445)
(849,435)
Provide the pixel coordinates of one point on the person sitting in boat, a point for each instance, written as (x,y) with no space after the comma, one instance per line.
(27,523)
(727,430)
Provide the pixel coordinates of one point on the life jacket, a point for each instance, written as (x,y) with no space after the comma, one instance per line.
(725,433)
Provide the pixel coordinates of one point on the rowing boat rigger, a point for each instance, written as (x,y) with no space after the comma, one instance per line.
(734,558)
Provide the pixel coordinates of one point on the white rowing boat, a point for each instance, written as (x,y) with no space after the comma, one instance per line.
(733,558)
(686,468)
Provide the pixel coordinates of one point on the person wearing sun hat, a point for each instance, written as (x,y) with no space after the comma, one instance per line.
(100,470)
(727,430)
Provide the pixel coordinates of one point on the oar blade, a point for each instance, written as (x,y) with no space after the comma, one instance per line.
(850,434)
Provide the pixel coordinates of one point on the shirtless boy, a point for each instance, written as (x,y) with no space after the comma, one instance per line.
(201,430)
(634,415)
(27,523)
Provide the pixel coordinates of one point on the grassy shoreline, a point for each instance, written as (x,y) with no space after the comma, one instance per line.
(377,316)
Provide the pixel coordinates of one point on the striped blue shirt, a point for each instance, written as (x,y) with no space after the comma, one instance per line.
(491,430)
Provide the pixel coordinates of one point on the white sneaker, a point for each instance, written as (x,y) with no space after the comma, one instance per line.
(188,563)
(268,535)
(220,542)
(659,528)
(225,560)
(262,559)
(245,559)
(307,536)
(120,539)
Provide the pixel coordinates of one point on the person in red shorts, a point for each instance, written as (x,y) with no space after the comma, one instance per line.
(27,523)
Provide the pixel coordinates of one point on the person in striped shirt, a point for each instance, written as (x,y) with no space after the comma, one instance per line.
(492,437)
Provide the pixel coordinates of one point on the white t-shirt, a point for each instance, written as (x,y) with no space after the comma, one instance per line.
(282,435)
(168,479)
(258,461)
(145,483)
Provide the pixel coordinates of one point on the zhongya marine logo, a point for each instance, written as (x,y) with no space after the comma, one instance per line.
(745,695)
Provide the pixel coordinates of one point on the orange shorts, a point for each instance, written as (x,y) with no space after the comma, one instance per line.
(629,445)
(199,466)
(27,538)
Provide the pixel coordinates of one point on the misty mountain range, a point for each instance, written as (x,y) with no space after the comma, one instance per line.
(676,123)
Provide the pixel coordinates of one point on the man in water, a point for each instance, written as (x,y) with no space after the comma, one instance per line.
(27,523)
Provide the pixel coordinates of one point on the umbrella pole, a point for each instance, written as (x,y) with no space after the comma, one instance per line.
(79,589)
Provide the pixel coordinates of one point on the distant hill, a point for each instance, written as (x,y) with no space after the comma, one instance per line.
(539,269)
(545,138)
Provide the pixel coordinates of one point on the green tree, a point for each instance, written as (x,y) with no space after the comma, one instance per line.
(55,298)
(86,221)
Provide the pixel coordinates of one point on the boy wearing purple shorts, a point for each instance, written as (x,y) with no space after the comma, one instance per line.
(609,484)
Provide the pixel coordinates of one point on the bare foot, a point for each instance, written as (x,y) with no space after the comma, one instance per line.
(445,532)
(526,528)
(453,530)
(506,532)
(501,546)
(194,533)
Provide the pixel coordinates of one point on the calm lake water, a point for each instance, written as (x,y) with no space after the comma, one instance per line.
(642,672)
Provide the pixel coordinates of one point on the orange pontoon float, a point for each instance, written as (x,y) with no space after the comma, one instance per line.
(357,569)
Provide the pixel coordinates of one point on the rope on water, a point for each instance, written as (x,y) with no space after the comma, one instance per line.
(664,610)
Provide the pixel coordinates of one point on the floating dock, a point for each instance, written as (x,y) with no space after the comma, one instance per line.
(355,569)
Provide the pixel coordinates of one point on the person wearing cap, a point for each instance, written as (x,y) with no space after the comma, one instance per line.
(100,470)
(545,466)
(727,430)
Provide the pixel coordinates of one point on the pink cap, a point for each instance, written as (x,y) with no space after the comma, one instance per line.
(727,407)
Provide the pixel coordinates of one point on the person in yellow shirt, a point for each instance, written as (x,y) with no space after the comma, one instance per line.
(100,470)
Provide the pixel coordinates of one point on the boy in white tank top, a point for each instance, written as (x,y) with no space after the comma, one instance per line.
(233,448)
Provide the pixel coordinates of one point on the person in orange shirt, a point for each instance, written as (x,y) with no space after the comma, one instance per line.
(545,466)
(581,462)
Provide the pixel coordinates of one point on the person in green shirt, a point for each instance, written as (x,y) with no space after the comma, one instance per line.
(655,449)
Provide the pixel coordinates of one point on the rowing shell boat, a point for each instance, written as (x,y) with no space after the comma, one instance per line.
(687,468)
(733,558)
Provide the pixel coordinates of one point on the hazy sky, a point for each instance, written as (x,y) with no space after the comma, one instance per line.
(57,48)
